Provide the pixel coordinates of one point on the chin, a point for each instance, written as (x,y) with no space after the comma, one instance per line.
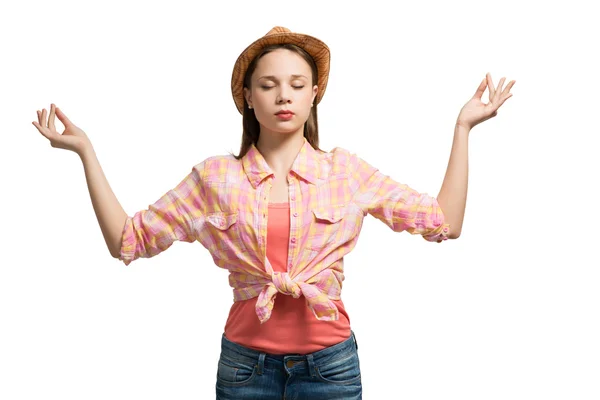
(286,130)
(290,132)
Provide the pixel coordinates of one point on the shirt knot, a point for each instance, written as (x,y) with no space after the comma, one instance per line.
(318,301)
(284,284)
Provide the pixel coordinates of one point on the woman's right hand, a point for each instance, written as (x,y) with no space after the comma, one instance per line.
(72,138)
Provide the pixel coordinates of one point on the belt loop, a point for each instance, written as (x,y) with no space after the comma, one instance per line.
(311,364)
(261,363)
(355,341)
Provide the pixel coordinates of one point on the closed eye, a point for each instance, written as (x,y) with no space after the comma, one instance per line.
(271,87)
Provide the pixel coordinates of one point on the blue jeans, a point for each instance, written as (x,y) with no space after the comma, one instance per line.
(328,374)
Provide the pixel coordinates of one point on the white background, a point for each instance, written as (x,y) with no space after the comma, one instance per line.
(507,311)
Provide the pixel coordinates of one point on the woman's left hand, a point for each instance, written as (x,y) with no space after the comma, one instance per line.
(475,111)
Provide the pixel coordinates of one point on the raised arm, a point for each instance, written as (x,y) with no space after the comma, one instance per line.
(109,212)
(453,193)
(147,232)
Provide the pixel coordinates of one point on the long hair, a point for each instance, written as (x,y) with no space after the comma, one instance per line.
(251,127)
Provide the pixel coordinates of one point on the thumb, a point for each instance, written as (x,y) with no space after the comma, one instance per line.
(62,117)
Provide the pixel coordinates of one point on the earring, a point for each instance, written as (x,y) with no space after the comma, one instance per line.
(249,106)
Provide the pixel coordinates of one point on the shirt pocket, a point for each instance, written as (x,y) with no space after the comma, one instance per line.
(223,226)
(328,225)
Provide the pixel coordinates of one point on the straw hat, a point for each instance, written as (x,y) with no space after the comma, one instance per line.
(278,35)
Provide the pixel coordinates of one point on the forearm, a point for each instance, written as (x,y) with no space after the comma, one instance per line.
(453,193)
(109,212)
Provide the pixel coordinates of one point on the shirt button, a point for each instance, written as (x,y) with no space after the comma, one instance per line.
(293,240)
(295,214)
(293,199)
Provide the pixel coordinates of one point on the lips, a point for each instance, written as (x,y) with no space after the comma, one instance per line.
(284,112)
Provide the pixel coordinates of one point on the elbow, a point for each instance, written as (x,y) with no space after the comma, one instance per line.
(115,247)
(453,235)
(115,251)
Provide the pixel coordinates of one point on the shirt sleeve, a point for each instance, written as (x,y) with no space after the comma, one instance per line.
(396,204)
(171,218)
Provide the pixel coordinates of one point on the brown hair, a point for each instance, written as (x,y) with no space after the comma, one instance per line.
(251,127)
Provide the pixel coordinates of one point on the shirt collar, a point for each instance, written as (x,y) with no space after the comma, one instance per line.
(306,165)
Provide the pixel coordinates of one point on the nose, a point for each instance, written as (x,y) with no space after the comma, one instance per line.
(284,96)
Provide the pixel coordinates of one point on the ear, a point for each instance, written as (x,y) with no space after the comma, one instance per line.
(248,96)
(315,91)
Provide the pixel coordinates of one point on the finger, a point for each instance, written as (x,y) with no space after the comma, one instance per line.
(508,87)
(39,114)
(43,121)
(62,117)
(501,101)
(490,85)
(51,118)
(40,129)
(480,90)
(504,99)
(499,88)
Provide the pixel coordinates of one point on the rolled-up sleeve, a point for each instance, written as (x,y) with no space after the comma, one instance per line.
(171,218)
(396,204)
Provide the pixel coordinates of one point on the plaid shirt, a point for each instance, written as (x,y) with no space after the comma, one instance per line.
(223,204)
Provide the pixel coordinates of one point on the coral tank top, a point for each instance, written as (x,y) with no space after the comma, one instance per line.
(292,328)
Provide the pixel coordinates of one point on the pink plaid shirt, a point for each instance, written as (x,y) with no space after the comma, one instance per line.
(223,204)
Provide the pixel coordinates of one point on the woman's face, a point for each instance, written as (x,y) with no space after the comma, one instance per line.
(282,80)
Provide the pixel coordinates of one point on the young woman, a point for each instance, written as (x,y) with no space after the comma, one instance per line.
(280,216)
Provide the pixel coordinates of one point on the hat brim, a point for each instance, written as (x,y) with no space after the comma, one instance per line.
(317,49)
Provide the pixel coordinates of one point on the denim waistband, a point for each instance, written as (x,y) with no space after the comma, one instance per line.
(321,356)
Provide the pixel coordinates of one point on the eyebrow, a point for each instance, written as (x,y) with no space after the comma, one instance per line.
(273,78)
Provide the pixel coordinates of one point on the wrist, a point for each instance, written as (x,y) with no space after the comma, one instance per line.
(86,150)
(462,128)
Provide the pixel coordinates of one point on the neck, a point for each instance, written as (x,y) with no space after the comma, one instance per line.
(280,149)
